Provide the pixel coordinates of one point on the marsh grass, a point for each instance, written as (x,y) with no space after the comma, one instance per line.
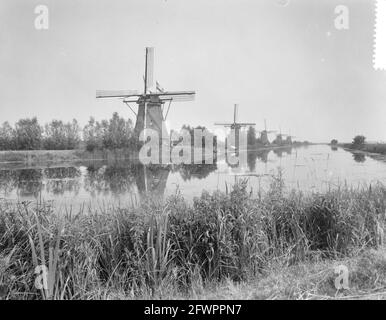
(176,249)
(50,287)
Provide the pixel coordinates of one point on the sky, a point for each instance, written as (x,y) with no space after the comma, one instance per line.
(280,60)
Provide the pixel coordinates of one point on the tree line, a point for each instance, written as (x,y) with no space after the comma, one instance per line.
(28,134)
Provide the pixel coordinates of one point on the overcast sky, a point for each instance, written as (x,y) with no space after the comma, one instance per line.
(285,63)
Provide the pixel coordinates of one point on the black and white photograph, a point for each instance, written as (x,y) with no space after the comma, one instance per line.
(179,150)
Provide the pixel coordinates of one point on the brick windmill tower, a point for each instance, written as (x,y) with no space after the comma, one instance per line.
(150,114)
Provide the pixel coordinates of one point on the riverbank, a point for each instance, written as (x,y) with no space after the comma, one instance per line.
(378,148)
(49,157)
(283,146)
(39,158)
(175,249)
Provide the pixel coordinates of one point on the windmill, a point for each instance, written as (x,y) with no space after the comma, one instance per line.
(279,138)
(264,134)
(288,140)
(150,113)
(236,126)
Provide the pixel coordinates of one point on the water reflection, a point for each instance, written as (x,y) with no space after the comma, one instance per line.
(198,171)
(27,182)
(97,179)
(280,151)
(7,181)
(116,182)
(253,155)
(102,179)
(152,179)
(359,157)
(61,180)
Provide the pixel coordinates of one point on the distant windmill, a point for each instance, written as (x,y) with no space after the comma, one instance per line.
(279,138)
(150,104)
(288,140)
(264,134)
(236,126)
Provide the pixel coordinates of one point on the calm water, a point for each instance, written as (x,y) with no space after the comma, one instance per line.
(98,184)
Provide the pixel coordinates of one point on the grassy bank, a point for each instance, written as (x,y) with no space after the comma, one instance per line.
(379,148)
(310,279)
(224,245)
(46,157)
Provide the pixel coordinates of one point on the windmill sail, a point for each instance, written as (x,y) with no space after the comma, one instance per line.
(177,96)
(223,124)
(149,67)
(116,93)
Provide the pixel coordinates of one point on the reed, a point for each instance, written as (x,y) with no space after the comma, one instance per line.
(50,281)
(178,247)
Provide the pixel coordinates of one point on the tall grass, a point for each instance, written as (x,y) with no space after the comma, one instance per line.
(176,245)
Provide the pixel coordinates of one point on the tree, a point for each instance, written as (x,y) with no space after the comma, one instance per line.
(61,136)
(72,132)
(334,142)
(359,141)
(92,135)
(54,136)
(7,137)
(28,134)
(118,132)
